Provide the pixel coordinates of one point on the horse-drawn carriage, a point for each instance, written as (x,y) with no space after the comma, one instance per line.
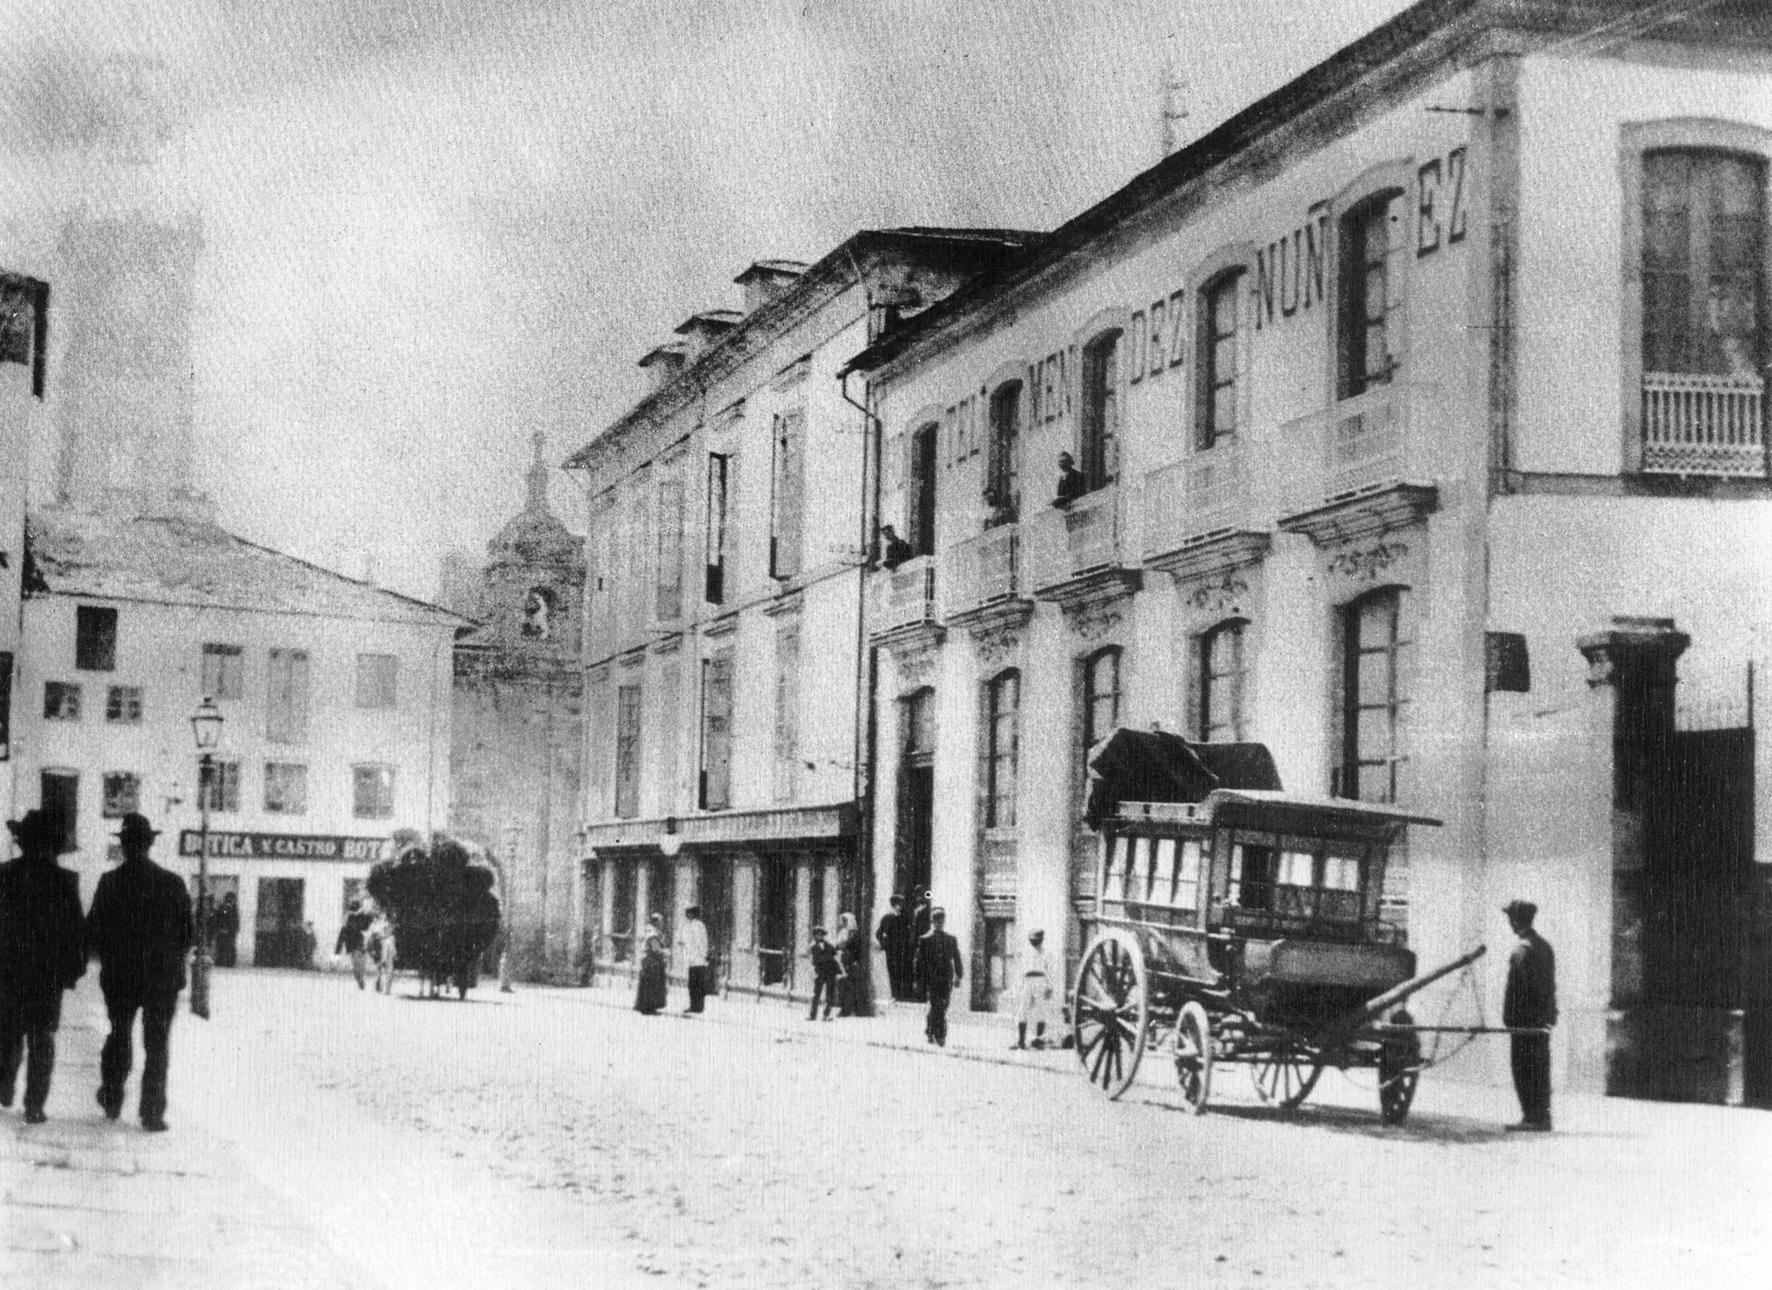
(1246,927)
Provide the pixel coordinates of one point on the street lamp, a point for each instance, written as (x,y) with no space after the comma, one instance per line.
(206,724)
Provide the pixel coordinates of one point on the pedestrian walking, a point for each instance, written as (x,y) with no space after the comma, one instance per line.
(893,936)
(918,930)
(42,953)
(227,930)
(939,970)
(139,928)
(652,994)
(826,970)
(849,951)
(353,939)
(1530,1001)
(692,943)
(382,949)
(1033,991)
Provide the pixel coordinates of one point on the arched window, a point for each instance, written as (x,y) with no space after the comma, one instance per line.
(1369,347)
(1002,747)
(1099,428)
(1221,682)
(1217,367)
(1002,490)
(1101,695)
(919,520)
(917,724)
(1376,651)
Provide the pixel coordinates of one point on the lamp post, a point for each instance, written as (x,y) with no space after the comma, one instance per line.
(206,724)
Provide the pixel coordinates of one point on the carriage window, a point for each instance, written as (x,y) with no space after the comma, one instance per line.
(1163,872)
(1138,873)
(1252,867)
(1113,885)
(1341,872)
(1187,877)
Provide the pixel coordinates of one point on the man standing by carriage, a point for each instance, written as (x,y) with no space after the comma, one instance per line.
(1530,1001)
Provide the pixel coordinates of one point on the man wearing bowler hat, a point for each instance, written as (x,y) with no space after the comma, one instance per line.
(1530,1002)
(140,929)
(42,953)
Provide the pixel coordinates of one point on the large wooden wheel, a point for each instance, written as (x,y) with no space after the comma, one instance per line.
(1399,1071)
(1193,1056)
(1285,1074)
(1111,1011)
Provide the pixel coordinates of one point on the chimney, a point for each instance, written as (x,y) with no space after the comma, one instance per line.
(767,280)
(662,365)
(701,331)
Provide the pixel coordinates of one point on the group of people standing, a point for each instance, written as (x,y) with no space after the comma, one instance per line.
(653,992)
(140,930)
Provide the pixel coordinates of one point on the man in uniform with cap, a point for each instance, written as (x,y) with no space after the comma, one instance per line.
(939,970)
(139,927)
(1530,1002)
(42,953)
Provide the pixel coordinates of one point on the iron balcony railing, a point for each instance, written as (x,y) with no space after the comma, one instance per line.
(902,597)
(1068,543)
(1360,445)
(983,570)
(1699,424)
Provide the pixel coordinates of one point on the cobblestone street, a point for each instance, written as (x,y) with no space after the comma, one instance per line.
(555,1135)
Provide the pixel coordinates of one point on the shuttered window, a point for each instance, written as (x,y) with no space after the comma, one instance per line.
(716,732)
(1215,386)
(1371,294)
(786,508)
(1100,430)
(1002,492)
(669,605)
(627,751)
(787,710)
(286,697)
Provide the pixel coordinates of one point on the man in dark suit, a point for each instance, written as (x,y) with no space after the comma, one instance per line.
(893,936)
(42,953)
(939,970)
(140,929)
(1530,1001)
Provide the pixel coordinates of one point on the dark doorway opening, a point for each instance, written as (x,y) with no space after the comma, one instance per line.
(775,919)
(279,939)
(714,882)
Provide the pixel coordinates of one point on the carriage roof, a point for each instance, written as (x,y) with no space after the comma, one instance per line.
(1272,809)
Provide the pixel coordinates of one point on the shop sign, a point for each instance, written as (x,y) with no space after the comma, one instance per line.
(283,846)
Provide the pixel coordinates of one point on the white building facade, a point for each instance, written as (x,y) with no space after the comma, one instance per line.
(724,559)
(335,697)
(1420,415)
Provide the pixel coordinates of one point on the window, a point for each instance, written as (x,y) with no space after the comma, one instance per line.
(1002,492)
(1002,748)
(627,751)
(719,467)
(123,794)
(1215,383)
(286,697)
(626,896)
(95,639)
(786,499)
(123,704)
(372,792)
(61,701)
(669,592)
(1100,425)
(1101,698)
(59,798)
(1221,683)
(1375,648)
(286,788)
(378,680)
(222,671)
(716,733)
(223,785)
(1703,261)
(787,710)
(920,496)
(1371,294)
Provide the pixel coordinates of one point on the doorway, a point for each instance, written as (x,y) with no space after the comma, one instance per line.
(279,937)
(714,882)
(775,919)
(911,872)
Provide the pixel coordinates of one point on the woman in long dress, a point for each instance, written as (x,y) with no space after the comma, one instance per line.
(651,997)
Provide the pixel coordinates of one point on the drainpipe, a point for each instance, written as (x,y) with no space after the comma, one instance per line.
(867,682)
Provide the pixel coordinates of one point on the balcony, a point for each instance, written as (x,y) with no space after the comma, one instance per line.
(1079,553)
(983,577)
(1698,424)
(1363,465)
(901,602)
(1202,514)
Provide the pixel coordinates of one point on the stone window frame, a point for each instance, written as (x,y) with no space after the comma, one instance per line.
(1636,138)
(1236,258)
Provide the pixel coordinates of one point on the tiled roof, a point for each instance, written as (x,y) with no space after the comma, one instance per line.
(194,562)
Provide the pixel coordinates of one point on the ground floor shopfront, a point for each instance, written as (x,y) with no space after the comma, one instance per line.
(763,881)
(291,892)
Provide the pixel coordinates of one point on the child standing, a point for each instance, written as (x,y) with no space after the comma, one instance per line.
(826,971)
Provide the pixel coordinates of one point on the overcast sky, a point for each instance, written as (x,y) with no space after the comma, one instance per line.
(434,227)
